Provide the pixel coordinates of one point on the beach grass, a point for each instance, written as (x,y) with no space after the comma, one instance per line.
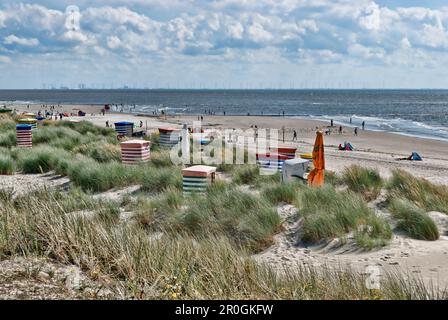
(100,151)
(249,174)
(96,177)
(367,182)
(40,159)
(6,164)
(158,179)
(245,174)
(86,127)
(161,159)
(8,139)
(155,141)
(245,218)
(328,214)
(181,266)
(332,178)
(421,192)
(7,124)
(282,192)
(413,220)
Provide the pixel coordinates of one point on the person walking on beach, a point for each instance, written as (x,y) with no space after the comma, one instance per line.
(356,131)
(294,135)
(363,125)
(331,123)
(340,129)
(351,120)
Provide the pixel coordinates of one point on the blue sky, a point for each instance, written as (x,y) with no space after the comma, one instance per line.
(224,44)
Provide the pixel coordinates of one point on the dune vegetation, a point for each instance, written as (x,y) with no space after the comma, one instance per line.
(172,246)
(413,220)
(368,182)
(421,192)
(329,214)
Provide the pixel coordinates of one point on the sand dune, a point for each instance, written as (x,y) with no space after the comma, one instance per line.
(428,259)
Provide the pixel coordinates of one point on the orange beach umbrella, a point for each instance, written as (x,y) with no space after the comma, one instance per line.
(316,177)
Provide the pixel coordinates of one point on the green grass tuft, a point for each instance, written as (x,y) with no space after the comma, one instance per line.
(245,174)
(8,139)
(281,192)
(6,165)
(421,192)
(40,159)
(159,179)
(329,214)
(100,151)
(367,182)
(245,218)
(413,220)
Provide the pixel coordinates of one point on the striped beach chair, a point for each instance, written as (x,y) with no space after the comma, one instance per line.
(197,179)
(169,137)
(135,151)
(124,128)
(24,136)
(271,162)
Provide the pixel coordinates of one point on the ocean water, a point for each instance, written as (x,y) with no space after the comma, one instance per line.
(422,113)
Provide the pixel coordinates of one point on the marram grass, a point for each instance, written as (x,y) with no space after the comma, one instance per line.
(421,192)
(413,220)
(181,266)
(329,214)
(367,182)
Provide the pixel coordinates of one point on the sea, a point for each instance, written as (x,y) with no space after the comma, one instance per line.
(420,113)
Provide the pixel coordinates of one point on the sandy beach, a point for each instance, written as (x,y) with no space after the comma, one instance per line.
(379,150)
(372,149)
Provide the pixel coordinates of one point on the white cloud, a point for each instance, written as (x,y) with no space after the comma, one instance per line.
(257,33)
(309,24)
(234,29)
(12,39)
(113,42)
(108,17)
(298,31)
(405,43)
(372,21)
(78,37)
(358,50)
(2,19)
(434,36)
(5,59)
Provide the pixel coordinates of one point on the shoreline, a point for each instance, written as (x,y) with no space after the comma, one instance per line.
(96,108)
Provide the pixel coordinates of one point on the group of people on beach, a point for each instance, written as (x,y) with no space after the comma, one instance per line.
(340,131)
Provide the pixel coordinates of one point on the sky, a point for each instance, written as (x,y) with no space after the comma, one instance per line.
(246,44)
